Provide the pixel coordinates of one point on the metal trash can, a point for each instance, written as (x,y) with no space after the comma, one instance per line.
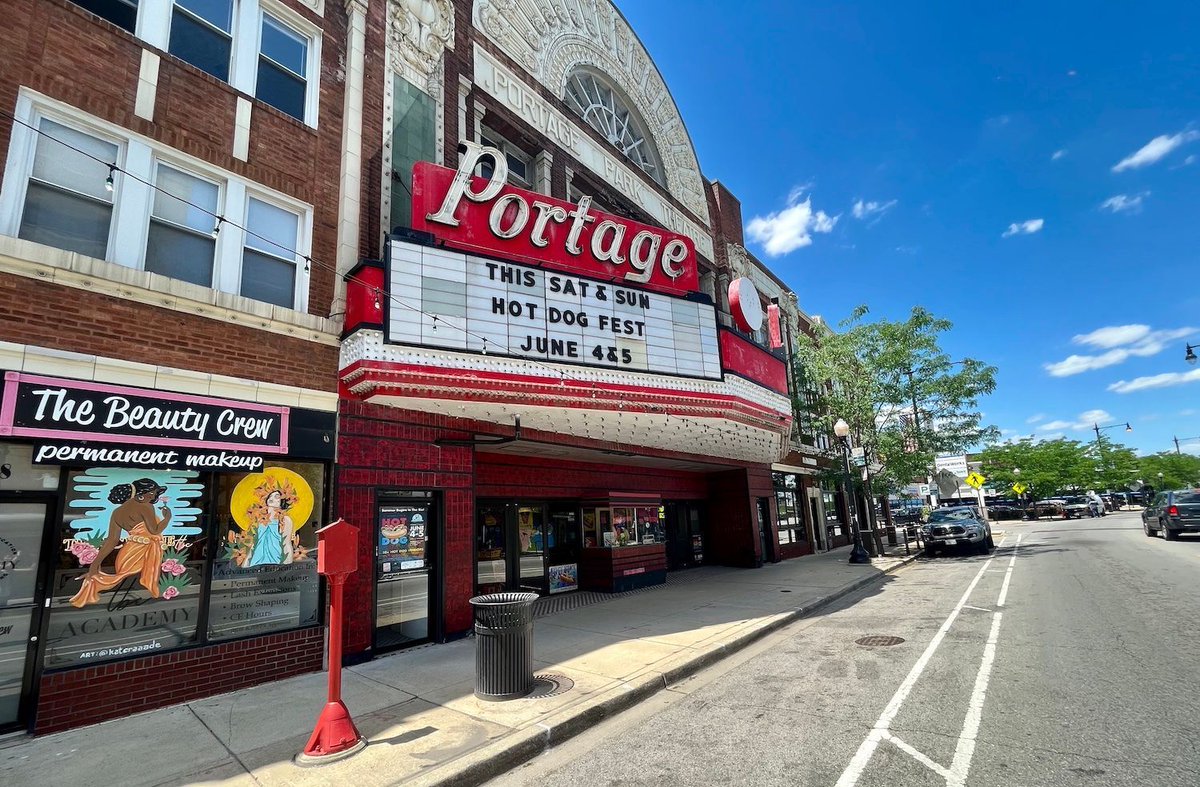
(503,645)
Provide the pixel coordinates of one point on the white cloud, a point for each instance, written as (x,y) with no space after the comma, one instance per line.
(1024,228)
(1123,203)
(792,227)
(1165,380)
(1120,343)
(872,209)
(1058,154)
(1085,421)
(1113,336)
(1188,412)
(1155,150)
(1033,419)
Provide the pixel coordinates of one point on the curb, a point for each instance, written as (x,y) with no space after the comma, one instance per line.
(522,745)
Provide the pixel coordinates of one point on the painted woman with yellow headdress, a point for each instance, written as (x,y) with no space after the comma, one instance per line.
(270,525)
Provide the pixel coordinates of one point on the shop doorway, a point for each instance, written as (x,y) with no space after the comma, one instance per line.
(684,525)
(23,527)
(407,569)
(529,546)
(820,542)
(764,529)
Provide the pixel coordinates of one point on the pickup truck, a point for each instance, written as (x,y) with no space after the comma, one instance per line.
(1076,507)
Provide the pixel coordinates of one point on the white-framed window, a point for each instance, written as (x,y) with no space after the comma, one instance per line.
(68,199)
(122,13)
(519,166)
(260,47)
(57,195)
(283,67)
(202,34)
(180,242)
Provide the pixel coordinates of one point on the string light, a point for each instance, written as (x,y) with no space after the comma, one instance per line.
(379,294)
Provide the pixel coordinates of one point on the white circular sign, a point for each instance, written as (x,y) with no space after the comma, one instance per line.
(744,303)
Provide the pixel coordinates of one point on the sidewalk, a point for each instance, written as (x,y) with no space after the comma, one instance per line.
(597,654)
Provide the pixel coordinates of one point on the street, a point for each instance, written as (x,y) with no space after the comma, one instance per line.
(1067,657)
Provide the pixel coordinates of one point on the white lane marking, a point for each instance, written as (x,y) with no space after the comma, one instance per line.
(965,749)
(977,609)
(858,764)
(918,756)
(1008,573)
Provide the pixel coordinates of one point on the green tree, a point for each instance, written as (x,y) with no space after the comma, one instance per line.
(869,373)
(1179,470)
(1056,467)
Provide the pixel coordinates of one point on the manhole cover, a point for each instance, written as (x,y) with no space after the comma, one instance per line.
(549,686)
(879,639)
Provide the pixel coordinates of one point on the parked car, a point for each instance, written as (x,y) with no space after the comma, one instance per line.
(1172,513)
(960,528)
(1055,507)
(1076,507)
(1005,509)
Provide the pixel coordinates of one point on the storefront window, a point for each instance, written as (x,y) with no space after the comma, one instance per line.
(623,526)
(130,571)
(133,545)
(787,501)
(265,574)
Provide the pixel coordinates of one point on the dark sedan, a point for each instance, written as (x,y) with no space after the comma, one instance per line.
(1172,513)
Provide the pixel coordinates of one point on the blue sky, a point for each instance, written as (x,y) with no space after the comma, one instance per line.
(1030,171)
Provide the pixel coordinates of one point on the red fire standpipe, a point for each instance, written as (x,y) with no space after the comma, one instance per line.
(335,737)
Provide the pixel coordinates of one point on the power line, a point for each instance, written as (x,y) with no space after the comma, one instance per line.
(221,220)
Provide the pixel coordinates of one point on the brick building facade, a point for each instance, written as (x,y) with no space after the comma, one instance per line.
(169,230)
(512,460)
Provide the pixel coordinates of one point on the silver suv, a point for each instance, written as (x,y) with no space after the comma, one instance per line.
(957,528)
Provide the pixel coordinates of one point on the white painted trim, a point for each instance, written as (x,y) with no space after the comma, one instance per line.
(305,29)
(33,359)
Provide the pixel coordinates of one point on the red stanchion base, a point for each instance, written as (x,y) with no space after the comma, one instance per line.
(334,738)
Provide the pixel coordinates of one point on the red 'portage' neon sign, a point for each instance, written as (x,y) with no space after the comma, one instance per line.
(486,215)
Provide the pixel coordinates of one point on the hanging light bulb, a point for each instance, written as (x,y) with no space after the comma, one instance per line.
(434,322)
(485,346)
(108,182)
(217,227)
(378,299)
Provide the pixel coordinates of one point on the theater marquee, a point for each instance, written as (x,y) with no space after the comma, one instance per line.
(506,308)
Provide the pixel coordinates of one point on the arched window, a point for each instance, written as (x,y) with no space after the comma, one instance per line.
(605,109)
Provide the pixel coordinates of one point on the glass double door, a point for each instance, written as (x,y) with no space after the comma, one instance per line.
(22,590)
(526,546)
(684,524)
(406,570)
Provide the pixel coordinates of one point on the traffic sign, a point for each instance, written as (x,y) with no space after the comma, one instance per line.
(975,480)
(1019,488)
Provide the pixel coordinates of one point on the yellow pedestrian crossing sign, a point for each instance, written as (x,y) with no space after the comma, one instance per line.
(975,480)
(1019,488)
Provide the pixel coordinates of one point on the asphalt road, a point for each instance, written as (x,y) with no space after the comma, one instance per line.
(1070,656)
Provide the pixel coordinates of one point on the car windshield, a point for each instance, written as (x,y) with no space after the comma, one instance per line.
(1077,499)
(951,515)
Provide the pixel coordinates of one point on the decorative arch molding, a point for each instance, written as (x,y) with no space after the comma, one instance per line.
(552,38)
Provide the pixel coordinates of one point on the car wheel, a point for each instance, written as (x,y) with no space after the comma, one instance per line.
(930,551)
(991,542)
(1169,534)
(982,546)
(1146,529)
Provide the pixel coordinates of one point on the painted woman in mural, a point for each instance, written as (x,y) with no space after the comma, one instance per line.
(141,553)
(272,527)
(269,508)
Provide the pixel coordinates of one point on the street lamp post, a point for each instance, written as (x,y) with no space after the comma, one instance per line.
(1177,439)
(1190,355)
(858,553)
(1099,445)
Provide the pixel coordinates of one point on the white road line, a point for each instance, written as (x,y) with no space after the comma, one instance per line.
(858,764)
(918,756)
(977,609)
(1008,573)
(965,749)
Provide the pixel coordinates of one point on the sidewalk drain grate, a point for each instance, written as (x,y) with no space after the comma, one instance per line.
(549,686)
(879,639)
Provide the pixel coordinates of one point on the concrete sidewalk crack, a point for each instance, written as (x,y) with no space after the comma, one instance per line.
(225,746)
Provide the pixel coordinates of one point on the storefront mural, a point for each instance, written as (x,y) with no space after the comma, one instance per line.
(145,519)
(269,508)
